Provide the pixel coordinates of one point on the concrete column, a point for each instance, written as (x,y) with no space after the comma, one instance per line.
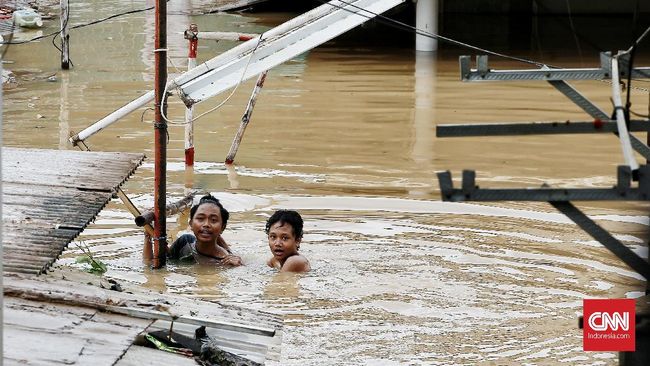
(424,117)
(426,19)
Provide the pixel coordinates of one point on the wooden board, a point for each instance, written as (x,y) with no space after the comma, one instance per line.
(50,196)
(49,320)
(38,333)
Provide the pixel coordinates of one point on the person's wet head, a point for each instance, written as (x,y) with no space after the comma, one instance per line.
(288,217)
(284,232)
(208,219)
(210,199)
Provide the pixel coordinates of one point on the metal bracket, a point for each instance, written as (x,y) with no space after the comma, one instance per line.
(560,197)
(536,128)
(623,191)
(547,128)
(619,249)
(577,98)
(483,73)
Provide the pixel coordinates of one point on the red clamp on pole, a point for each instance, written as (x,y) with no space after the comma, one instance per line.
(598,124)
(192,35)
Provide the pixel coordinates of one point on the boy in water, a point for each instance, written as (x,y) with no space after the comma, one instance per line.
(284,230)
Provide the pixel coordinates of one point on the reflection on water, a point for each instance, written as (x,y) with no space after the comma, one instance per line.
(346,136)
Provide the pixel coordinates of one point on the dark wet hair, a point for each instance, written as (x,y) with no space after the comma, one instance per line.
(208,198)
(286,217)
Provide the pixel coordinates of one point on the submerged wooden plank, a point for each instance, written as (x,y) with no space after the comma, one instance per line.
(50,196)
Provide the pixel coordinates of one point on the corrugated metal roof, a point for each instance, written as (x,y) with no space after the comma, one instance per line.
(50,196)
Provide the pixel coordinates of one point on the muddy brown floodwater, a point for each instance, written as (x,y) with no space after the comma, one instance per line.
(346,135)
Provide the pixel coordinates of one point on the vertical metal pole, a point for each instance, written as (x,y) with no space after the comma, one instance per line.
(160,127)
(192,34)
(230,158)
(426,20)
(65,38)
(623,135)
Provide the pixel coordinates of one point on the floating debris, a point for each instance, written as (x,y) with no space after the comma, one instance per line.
(27,18)
(8,77)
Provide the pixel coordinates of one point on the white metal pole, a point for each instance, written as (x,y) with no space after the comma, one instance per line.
(223,59)
(426,20)
(623,135)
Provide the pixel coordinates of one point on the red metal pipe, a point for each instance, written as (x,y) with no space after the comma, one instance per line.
(191,35)
(160,136)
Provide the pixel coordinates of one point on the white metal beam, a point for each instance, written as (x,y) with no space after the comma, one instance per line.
(280,47)
(272,48)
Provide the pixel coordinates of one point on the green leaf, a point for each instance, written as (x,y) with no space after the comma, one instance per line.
(83,259)
(97,267)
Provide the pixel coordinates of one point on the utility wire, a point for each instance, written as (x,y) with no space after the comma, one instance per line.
(403,26)
(84,25)
(573,30)
(407,27)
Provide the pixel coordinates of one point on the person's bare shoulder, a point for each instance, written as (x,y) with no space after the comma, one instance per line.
(273,263)
(296,263)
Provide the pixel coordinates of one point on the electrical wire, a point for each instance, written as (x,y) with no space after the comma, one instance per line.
(406,27)
(573,30)
(241,79)
(65,25)
(97,21)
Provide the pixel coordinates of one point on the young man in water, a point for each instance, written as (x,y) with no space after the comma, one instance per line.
(284,230)
(208,220)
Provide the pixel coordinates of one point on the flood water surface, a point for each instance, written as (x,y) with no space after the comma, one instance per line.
(346,136)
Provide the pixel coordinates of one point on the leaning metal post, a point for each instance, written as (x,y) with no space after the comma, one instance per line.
(230,158)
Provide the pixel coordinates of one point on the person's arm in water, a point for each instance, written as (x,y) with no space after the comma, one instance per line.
(230,259)
(147,250)
(296,263)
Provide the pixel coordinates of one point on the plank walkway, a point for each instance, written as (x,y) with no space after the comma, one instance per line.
(66,318)
(50,196)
